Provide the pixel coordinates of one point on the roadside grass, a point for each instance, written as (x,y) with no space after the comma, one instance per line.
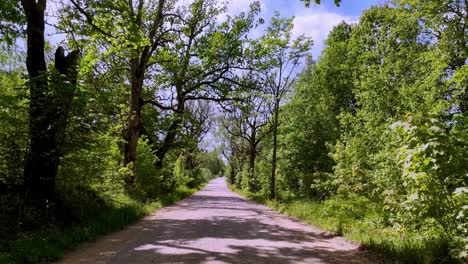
(364,222)
(50,244)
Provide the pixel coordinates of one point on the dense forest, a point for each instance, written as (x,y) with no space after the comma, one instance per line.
(105,124)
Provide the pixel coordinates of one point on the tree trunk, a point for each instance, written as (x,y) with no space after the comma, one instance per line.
(37,174)
(275,148)
(232,176)
(232,163)
(48,110)
(133,130)
(167,143)
(252,157)
(242,159)
(171,134)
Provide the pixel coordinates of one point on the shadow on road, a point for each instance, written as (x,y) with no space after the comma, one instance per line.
(217,226)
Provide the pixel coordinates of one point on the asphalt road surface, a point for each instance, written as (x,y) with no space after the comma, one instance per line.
(216,225)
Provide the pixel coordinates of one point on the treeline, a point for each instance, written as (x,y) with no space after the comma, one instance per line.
(375,129)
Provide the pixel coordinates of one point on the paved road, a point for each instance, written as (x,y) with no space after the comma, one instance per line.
(216,225)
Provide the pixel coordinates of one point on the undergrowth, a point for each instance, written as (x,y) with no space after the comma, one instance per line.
(50,244)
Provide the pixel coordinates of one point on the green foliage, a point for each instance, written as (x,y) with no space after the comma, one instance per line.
(323,91)
(13,140)
(12,21)
(386,55)
(212,162)
(361,220)
(245,179)
(13,117)
(277,58)
(50,244)
(382,115)
(433,156)
(148,179)
(92,163)
(180,173)
(194,170)
(449,15)
(262,174)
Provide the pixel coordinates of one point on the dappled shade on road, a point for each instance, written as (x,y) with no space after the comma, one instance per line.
(218,226)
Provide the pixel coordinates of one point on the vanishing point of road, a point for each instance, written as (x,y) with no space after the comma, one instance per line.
(216,225)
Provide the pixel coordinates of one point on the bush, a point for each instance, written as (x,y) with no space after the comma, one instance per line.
(433,156)
(148,180)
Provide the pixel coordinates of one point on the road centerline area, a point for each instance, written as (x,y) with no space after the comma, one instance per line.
(216,225)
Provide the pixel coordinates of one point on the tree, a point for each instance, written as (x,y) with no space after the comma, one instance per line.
(322,93)
(200,63)
(387,56)
(446,26)
(212,162)
(280,57)
(233,149)
(249,116)
(142,28)
(51,94)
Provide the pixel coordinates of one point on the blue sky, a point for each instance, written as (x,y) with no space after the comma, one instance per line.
(315,21)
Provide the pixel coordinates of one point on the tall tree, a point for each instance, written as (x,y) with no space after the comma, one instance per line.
(281,56)
(51,94)
(249,116)
(200,63)
(322,93)
(446,24)
(142,27)
(395,74)
(234,131)
(232,149)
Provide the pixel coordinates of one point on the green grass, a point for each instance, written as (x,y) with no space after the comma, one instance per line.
(362,221)
(50,244)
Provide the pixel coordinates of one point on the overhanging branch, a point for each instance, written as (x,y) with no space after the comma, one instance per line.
(161,106)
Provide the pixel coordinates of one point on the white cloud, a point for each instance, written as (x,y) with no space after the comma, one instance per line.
(315,22)
(318,25)
(237,6)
